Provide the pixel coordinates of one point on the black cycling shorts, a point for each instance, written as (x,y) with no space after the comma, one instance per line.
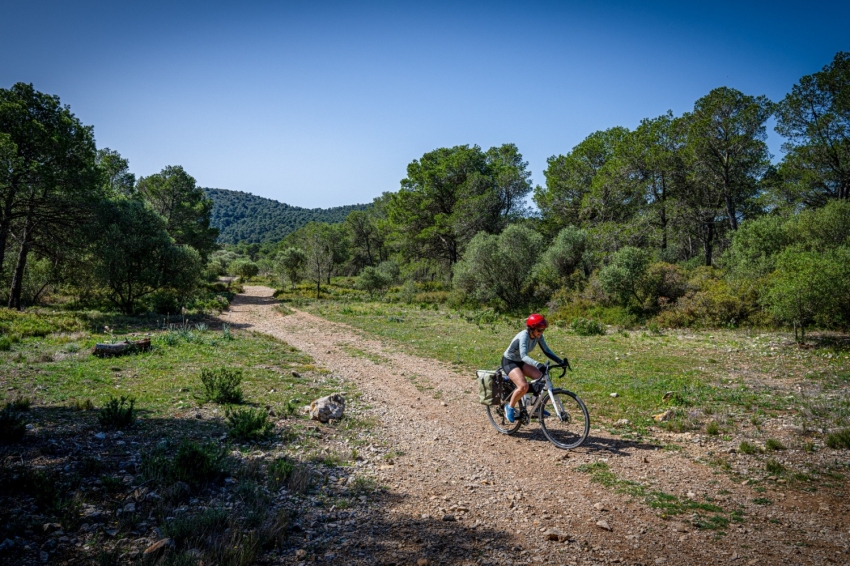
(509,365)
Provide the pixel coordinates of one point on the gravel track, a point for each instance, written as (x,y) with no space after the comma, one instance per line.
(504,492)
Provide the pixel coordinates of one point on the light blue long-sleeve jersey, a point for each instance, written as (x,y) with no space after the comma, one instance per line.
(523,343)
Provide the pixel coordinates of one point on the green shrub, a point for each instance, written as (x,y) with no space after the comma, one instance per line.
(192,528)
(747,448)
(21,404)
(248,424)
(587,327)
(222,385)
(839,439)
(81,405)
(712,428)
(12,425)
(774,467)
(192,463)
(5,343)
(117,413)
(773,444)
(278,473)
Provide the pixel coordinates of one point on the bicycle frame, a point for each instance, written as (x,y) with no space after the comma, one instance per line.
(547,386)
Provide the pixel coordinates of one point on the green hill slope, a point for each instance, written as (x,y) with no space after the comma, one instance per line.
(243,217)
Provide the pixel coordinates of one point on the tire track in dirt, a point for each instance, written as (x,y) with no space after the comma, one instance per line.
(514,488)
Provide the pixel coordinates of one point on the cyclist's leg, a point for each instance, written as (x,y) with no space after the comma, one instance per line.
(518,377)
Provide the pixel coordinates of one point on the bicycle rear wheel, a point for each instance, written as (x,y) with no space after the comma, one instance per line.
(571,429)
(496,414)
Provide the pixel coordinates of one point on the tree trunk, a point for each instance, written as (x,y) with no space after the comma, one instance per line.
(18,277)
(709,242)
(730,212)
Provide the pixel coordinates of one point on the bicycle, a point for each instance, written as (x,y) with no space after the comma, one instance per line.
(567,423)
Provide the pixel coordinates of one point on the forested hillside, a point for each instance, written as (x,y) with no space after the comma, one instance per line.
(243,217)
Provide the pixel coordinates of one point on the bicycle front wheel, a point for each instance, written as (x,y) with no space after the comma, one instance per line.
(570,429)
(496,414)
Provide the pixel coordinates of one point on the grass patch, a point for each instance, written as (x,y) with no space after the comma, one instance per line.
(773,445)
(774,467)
(667,504)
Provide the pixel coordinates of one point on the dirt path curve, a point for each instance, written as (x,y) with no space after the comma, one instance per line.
(504,492)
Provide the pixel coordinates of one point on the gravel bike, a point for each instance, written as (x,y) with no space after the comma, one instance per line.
(562,414)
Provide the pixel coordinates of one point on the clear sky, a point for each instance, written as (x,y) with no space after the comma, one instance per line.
(321,104)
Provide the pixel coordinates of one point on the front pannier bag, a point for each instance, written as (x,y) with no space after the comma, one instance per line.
(489,387)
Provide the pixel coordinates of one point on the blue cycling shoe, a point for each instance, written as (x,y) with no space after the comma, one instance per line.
(510,414)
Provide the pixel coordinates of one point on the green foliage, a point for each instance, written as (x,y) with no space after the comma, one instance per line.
(712,301)
(244,268)
(190,528)
(20,404)
(243,217)
(772,466)
(12,425)
(289,264)
(173,194)
(500,267)
(587,327)
(839,439)
(810,287)
(117,413)
(222,385)
(279,472)
(248,424)
(451,194)
(372,281)
(773,445)
(747,448)
(192,463)
(712,428)
(813,119)
(624,278)
(5,343)
(566,256)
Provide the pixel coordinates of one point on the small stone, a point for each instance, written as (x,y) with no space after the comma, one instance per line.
(679,527)
(111,532)
(600,506)
(296,374)
(449,518)
(43,556)
(422,562)
(623,422)
(300,553)
(555,535)
(159,548)
(130,508)
(199,416)
(660,560)
(665,416)
(50,527)
(603,525)
(691,495)
(614,395)
(100,436)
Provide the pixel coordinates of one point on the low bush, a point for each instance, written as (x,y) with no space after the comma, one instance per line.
(774,467)
(20,404)
(222,385)
(712,428)
(839,439)
(5,343)
(747,448)
(278,473)
(194,528)
(117,413)
(773,444)
(81,405)
(12,425)
(248,424)
(192,463)
(587,327)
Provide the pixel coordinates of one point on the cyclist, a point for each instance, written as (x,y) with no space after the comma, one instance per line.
(518,364)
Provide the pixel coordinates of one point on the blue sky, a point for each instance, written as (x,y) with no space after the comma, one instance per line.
(321,104)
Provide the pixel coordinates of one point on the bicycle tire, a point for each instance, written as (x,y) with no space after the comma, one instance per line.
(496,414)
(572,432)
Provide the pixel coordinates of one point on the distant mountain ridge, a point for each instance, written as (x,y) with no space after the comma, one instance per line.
(243,217)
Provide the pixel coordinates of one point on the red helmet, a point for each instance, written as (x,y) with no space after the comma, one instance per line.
(536,321)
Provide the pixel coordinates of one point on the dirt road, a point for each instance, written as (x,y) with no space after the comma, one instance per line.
(462,494)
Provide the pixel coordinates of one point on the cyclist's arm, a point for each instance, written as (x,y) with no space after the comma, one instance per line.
(549,353)
(524,349)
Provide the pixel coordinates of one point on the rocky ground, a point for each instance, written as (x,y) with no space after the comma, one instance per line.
(459,493)
(410,477)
